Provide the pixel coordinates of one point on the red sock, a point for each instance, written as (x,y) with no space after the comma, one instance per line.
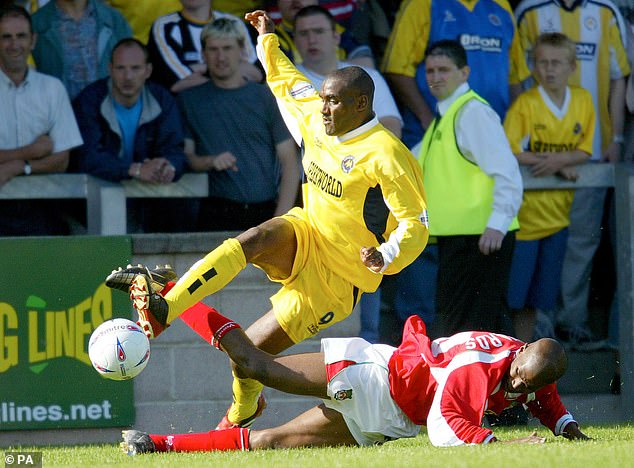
(204,320)
(208,323)
(228,439)
(167,288)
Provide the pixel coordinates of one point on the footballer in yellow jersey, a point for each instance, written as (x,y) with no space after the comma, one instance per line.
(534,123)
(348,177)
(364,215)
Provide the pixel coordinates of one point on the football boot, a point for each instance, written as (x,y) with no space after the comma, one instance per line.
(136,442)
(122,278)
(150,305)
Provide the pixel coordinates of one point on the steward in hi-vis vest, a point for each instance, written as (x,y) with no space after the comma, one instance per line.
(474,192)
(454,211)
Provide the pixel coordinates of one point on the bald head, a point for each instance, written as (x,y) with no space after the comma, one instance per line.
(535,366)
(356,80)
(547,358)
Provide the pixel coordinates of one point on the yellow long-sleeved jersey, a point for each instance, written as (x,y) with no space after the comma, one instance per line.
(360,189)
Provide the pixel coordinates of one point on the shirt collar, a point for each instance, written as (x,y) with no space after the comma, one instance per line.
(575,4)
(358,131)
(7,82)
(445,103)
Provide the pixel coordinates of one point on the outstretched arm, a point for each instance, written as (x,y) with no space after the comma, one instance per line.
(261,21)
(296,97)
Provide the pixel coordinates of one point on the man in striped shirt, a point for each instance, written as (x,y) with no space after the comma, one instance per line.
(176,51)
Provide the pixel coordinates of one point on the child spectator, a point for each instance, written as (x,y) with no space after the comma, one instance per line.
(550,128)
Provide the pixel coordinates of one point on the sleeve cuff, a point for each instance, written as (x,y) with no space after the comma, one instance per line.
(499,222)
(388,256)
(562,423)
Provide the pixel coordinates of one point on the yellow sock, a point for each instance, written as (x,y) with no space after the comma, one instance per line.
(245,399)
(205,277)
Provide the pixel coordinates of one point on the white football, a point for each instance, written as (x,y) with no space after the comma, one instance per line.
(119,349)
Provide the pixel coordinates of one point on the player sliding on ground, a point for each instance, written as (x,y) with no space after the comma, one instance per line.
(363,216)
(376,393)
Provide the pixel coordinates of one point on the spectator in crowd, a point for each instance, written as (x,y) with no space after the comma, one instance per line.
(29,5)
(600,33)
(38,127)
(551,129)
(350,49)
(317,40)
(487,30)
(75,39)
(235,133)
(372,394)
(131,129)
(176,50)
(474,191)
(140,14)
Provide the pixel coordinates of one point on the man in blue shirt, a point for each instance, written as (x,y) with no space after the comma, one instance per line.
(131,128)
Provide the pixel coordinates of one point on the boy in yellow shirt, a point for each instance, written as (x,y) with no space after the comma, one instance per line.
(550,128)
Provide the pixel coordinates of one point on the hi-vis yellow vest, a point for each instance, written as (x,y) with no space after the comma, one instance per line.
(459,193)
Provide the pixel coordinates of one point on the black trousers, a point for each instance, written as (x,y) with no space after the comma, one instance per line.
(472,288)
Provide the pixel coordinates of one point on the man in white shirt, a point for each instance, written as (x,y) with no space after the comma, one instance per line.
(38,129)
(317,41)
(474,191)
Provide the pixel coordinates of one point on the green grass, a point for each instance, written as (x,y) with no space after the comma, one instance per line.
(612,446)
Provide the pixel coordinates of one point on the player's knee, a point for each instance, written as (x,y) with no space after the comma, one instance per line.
(241,371)
(266,239)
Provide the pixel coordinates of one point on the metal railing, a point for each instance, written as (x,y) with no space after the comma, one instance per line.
(105,201)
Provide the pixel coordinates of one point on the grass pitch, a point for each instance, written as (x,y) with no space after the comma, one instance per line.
(612,446)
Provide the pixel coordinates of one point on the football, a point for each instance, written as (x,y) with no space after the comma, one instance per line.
(119,349)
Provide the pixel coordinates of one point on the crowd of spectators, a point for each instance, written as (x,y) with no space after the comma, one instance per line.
(186,94)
